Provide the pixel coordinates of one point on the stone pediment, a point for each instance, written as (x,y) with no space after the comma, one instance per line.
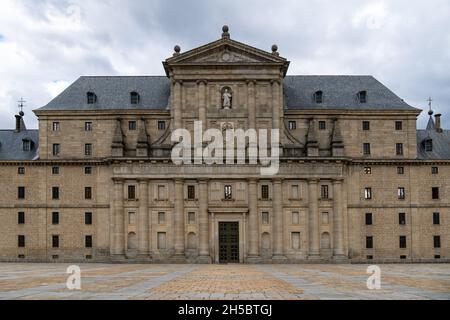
(226,51)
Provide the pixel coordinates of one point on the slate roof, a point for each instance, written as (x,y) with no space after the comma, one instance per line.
(339,92)
(113,93)
(441,143)
(11,146)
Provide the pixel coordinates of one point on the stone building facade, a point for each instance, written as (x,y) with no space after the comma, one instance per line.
(357,181)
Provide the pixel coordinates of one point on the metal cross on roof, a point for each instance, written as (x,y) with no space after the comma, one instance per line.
(21,104)
(430,101)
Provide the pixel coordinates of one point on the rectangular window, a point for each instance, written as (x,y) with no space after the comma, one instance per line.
(437,242)
(88,149)
(429,145)
(399,149)
(161,125)
(55,241)
(402,218)
(435,193)
(21,241)
(436,218)
(55,218)
(88,242)
(265,192)
(88,218)
(191,217)
(402,242)
(131,192)
(295,238)
(55,193)
(132,125)
(161,217)
(26,145)
(366,125)
(55,170)
(228,193)
(292,125)
(398,125)
(434,170)
(21,193)
(191,192)
(401,193)
(369,219)
(56,126)
(367,170)
(56,150)
(295,218)
(368,193)
(88,171)
(88,126)
(400,170)
(265,218)
(88,193)
(366,149)
(369,242)
(21,170)
(161,240)
(324,192)
(21,217)
(322,125)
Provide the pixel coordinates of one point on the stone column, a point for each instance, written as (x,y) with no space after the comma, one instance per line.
(203,222)
(338,228)
(119,220)
(253,240)
(275,104)
(202,103)
(278,219)
(143,232)
(176,104)
(314,237)
(179,218)
(251,94)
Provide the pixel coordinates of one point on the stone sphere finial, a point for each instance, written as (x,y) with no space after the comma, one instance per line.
(177,49)
(275,49)
(430,113)
(226,32)
(21,113)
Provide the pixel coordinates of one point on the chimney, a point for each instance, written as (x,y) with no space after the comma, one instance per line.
(438,123)
(18,123)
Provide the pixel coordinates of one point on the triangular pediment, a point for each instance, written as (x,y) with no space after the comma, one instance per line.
(226,51)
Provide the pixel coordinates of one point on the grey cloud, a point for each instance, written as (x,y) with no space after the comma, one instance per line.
(405,44)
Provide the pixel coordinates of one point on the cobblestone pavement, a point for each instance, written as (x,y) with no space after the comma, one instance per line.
(229,282)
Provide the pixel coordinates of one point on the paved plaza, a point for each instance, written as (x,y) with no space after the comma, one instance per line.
(229,282)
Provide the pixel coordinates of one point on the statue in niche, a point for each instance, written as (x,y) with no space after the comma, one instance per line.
(227,98)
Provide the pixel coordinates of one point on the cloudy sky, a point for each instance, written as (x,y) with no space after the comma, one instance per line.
(46,45)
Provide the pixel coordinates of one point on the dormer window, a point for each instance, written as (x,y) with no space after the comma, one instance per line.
(91,98)
(135,98)
(318,97)
(428,144)
(362,97)
(26,145)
